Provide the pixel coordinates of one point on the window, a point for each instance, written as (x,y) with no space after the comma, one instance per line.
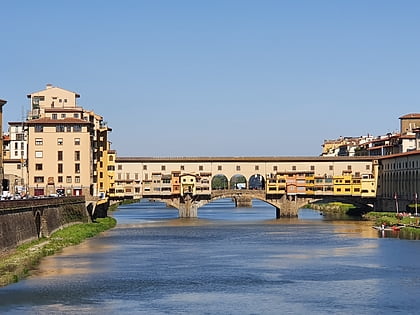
(257,168)
(60,155)
(111,158)
(76,141)
(349,167)
(312,167)
(68,128)
(331,167)
(38,166)
(77,155)
(59,128)
(54,116)
(16,145)
(200,168)
(294,168)
(77,128)
(60,168)
(120,167)
(39,128)
(127,176)
(144,167)
(275,168)
(60,141)
(101,174)
(76,115)
(238,167)
(182,168)
(63,115)
(219,167)
(39,179)
(77,168)
(367,167)
(68,179)
(163,168)
(77,179)
(60,179)
(136,176)
(38,154)
(38,141)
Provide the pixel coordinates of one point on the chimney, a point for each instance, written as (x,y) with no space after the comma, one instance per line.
(49,86)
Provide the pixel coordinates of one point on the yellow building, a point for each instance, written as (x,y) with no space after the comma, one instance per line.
(343,184)
(188,184)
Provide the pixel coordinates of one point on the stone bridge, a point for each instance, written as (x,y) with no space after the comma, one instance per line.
(188,204)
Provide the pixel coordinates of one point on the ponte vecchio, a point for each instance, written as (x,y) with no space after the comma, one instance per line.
(287,183)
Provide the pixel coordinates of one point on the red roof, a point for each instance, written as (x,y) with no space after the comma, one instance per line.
(411,116)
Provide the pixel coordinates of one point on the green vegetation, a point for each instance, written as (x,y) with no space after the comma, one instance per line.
(390,218)
(411,229)
(17,264)
(334,207)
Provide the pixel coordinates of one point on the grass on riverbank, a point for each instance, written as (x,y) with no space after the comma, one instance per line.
(412,228)
(17,264)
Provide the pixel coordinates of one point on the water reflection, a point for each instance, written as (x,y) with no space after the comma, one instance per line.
(227,261)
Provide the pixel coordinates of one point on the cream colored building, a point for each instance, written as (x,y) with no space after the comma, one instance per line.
(66,144)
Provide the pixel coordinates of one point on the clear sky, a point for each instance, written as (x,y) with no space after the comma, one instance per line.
(218,77)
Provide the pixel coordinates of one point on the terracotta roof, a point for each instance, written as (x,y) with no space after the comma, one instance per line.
(411,116)
(47,120)
(63,109)
(259,159)
(385,157)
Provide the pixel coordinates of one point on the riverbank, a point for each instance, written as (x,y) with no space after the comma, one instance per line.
(16,264)
(411,224)
(336,208)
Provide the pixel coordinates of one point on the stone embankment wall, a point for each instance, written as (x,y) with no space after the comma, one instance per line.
(29,219)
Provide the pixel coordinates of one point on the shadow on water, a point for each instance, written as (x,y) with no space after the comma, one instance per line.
(146,212)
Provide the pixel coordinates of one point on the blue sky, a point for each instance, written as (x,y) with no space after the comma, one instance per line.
(218,78)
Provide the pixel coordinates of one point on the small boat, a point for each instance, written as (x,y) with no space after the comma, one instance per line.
(382,228)
(388,228)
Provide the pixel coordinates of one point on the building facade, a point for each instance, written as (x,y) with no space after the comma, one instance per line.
(66,145)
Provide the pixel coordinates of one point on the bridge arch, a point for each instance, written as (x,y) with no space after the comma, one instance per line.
(238,181)
(219,181)
(256,181)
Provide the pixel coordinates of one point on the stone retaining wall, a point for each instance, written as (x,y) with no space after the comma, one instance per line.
(29,219)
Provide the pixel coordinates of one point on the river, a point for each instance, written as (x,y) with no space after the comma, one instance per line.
(228,261)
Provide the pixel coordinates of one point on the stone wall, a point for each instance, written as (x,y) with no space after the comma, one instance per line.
(29,219)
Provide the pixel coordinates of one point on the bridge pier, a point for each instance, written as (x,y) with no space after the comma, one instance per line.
(288,205)
(243,202)
(187,207)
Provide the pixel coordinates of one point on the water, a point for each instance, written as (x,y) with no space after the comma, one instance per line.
(228,261)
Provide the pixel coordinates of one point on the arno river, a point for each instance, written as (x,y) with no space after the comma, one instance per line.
(228,261)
